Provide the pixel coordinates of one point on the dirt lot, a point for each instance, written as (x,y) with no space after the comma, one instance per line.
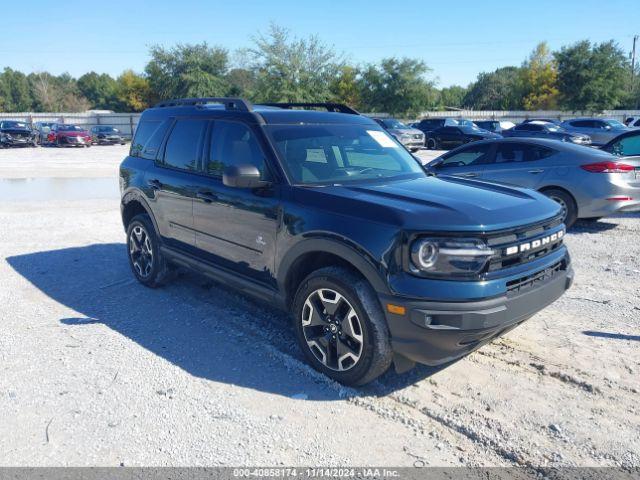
(98,370)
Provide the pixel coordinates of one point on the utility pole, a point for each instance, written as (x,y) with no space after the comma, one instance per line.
(633,67)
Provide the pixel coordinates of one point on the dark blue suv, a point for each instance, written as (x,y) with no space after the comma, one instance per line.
(317,210)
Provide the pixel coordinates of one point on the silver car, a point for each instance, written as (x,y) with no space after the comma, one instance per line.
(588,183)
(411,138)
(601,130)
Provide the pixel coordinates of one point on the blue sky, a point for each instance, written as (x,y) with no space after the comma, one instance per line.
(457,39)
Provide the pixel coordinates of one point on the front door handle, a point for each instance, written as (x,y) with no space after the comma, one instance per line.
(155,184)
(536,171)
(207,196)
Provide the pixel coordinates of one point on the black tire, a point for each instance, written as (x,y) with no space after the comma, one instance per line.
(152,272)
(432,144)
(591,219)
(373,348)
(567,202)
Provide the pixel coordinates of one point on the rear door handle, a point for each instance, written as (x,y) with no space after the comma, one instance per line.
(208,197)
(155,184)
(536,171)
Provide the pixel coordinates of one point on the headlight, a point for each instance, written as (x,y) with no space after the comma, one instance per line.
(449,256)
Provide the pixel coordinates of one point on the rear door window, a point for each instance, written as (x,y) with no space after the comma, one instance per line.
(520,152)
(184,144)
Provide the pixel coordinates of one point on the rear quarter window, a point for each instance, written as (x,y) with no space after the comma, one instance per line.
(148,138)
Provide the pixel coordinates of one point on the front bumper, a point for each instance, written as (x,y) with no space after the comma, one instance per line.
(433,333)
(17,141)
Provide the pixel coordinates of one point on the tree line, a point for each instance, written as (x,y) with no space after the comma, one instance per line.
(279,67)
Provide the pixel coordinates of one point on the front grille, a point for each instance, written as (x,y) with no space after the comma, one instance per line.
(525,244)
(530,281)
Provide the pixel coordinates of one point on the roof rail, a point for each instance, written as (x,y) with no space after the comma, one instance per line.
(230,103)
(331,107)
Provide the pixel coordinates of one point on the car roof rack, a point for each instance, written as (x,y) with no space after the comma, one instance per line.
(331,107)
(230,103)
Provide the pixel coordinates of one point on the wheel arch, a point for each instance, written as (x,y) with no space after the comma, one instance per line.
(134,203)
(313,254)
(561,188)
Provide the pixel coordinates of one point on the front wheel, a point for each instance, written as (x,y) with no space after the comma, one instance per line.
(340,326)
(432,144)
(567,203)
(147,262)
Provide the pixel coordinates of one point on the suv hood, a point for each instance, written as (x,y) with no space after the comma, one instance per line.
(84,133)
(15,131)
(436,204)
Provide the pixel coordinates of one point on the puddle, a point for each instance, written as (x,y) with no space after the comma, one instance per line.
(38,189)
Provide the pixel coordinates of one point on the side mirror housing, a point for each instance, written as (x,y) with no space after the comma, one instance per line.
(243,176)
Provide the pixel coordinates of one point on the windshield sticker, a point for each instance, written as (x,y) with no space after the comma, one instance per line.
(382,139)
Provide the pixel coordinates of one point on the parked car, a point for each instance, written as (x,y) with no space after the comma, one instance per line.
(624,145)
(411,138)
(495,126)
(600,130)
(16,134)
(587,182)
(106,135)
(63,135)
(325,215)
(427,125)
(445,138)
(539,129)
(42,130)
(632,121)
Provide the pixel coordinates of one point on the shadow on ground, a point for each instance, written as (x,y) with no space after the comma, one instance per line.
(201,327)
(613,336)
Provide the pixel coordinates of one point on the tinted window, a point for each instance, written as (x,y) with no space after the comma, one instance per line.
(148,138)
(626,146)
(529,127)
(517,152)
(183,145)
(232,143)
(582,124)
(449,130)
(474,155)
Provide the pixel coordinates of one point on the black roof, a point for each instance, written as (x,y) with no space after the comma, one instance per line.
(270,113)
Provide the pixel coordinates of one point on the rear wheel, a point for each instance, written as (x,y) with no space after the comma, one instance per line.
(566,202)
(147,262)
(432,144)
(591,219)
(340,326)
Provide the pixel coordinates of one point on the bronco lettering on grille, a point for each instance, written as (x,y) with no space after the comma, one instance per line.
(535,244)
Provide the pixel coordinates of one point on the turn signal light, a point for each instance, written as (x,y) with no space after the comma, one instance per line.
(607,167)
(396,309)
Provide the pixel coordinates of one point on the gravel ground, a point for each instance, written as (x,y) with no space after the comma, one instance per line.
(98,370)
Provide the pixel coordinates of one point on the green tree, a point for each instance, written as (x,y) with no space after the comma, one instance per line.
(397,86)
(15,92)
(188,71)
(498,90)
(452,96)
(345,88)
(100,90)
(134,91)
(242,82)
(592,77)
(291,69)
(540,80)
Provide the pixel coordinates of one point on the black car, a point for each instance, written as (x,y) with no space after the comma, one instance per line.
(624,145)
(427,125)
(106,135)
(324,215)
(540,129)
(445,138)
(16,134)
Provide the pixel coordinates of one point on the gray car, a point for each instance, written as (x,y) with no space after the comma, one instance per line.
(601,130)
(540,129)
(589,183)
(411,138)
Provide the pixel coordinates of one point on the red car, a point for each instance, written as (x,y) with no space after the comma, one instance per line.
(69,135)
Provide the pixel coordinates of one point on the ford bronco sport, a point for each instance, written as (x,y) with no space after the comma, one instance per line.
(317,210)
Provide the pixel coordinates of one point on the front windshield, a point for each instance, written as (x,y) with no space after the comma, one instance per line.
(70,128)
(10,124)
(614,124)
(335,154)
(109,130)
(470,128)
(393,123)
(466,123)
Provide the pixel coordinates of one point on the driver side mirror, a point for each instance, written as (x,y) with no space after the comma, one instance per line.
(243,176)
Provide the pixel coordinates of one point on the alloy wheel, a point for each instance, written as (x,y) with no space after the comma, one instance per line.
(141,251)
(563,205)
(332,329)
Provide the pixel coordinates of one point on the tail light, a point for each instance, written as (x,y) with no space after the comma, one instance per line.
(607,167)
